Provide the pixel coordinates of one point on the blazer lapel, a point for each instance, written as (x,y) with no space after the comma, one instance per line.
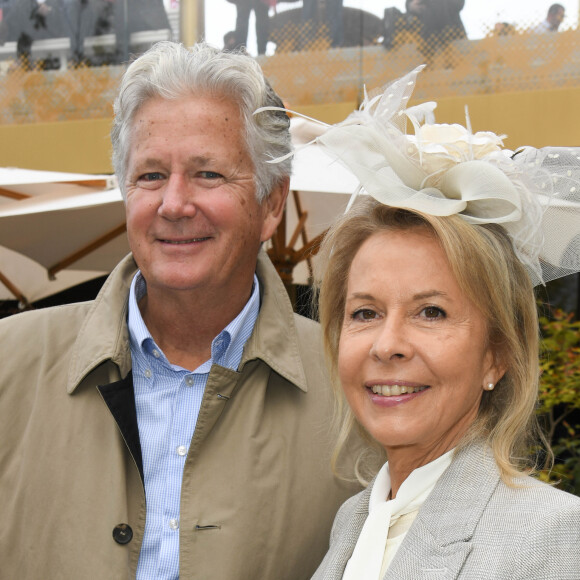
(439,540)
(422,557)
(347,533)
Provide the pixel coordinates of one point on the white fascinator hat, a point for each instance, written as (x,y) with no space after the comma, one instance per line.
(402,158)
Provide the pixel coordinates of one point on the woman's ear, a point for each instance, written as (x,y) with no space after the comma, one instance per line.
(496,369)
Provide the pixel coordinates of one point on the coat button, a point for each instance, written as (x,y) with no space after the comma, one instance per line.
(122,534)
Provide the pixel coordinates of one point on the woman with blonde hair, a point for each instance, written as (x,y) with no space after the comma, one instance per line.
(427,306)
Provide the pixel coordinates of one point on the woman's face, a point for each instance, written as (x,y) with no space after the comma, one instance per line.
(413,356)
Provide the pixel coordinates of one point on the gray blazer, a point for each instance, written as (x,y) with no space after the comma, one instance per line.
(473,527)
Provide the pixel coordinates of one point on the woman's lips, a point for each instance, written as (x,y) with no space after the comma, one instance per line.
(394,393)
(396,389)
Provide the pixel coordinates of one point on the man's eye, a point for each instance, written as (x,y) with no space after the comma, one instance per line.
(154,176)
(210,175)
(364,314)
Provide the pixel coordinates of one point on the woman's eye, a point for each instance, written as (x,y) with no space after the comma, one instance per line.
(432,312)
(364,314)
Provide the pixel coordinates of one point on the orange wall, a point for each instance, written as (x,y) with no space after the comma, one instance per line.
(536,118)
(70,146)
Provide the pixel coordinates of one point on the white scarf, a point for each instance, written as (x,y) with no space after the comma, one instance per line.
(367,557)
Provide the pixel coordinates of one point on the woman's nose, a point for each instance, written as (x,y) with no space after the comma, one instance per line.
(391,341)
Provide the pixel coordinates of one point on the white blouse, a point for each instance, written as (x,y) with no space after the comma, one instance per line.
(389,521)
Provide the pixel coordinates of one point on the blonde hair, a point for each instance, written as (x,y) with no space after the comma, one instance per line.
(488,271)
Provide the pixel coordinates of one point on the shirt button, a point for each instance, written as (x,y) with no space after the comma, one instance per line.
(174,524)
(148,373)
(156,353)
(122,534)
(182,450)
(189,381)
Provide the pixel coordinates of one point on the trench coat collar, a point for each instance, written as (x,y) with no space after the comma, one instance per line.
(104,336)
(275,339)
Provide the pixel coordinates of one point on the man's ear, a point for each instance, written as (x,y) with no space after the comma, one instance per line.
(273,208)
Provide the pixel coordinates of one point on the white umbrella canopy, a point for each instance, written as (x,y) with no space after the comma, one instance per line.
(320,191)
(18,184)
(20,277)
(56,231)
(19,272)
(51,242)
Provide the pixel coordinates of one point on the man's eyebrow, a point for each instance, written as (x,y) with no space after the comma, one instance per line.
(148,161)
(200,160)
(193,159)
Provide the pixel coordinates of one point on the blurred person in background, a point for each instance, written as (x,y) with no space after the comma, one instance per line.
(554,19)
(436,22)
(333,14)
(261,9)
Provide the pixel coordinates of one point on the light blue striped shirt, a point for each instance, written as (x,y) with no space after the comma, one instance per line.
(168,399)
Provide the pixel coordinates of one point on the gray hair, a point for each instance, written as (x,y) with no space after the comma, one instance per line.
(171,71)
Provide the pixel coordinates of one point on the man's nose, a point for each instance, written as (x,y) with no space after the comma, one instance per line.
(178,198)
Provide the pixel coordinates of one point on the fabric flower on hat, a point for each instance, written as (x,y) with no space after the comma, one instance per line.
(440,147)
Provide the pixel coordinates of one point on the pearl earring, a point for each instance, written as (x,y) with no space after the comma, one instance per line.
(489,387)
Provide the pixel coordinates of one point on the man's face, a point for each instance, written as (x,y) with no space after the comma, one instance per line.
(193,221)
(557,18)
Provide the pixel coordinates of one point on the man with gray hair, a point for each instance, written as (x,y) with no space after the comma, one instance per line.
(176,427)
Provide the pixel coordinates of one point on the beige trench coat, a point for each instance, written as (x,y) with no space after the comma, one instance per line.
(258,498)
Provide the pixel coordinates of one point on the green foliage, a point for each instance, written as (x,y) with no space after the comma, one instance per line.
(560,397)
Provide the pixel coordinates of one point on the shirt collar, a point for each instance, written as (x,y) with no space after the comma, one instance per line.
(226,348)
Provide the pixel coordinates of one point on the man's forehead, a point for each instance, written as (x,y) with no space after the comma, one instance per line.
(209,109)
